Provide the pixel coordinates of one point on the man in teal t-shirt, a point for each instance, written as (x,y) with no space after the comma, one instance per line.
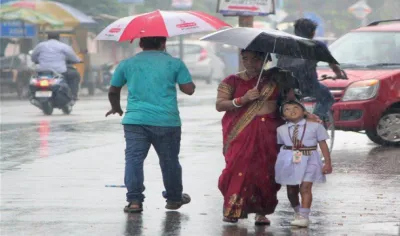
(151,118)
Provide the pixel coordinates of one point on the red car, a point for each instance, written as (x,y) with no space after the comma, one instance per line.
(370,99)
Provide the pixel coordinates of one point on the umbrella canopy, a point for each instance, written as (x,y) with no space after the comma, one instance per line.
(272,41)
(70,16)
(9,13)
(162,24)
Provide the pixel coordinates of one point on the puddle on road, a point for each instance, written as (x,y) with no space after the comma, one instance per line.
(26,142)
(22,143)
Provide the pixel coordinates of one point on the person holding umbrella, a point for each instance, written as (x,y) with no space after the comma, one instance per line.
(249,137)
(152,116)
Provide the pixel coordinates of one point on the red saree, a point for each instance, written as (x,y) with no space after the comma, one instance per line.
(250,149)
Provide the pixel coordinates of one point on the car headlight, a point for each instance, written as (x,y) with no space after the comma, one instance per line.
(361,90)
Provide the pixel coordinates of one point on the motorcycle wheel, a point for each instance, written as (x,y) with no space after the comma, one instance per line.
(67,109)
(47,108)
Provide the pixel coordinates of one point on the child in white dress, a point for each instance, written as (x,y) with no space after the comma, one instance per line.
(299,164)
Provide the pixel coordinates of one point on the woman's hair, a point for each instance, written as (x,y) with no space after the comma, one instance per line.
(260,55)
(305,28)
(152,42)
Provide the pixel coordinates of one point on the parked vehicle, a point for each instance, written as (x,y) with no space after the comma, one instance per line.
(49,90)
(370,99)
(201,59)
(15,73)
(104,74)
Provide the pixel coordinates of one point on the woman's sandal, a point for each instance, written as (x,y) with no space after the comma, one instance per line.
(230,220)
(262,220)
(133,208)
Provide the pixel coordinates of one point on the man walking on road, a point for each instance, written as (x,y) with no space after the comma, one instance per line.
(151,118)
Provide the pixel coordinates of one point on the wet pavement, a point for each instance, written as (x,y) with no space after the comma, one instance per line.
(54,170)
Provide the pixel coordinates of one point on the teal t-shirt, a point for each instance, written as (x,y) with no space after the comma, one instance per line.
(151,78)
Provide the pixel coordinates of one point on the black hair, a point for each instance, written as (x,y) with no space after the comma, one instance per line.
(260,55)
(291,102)
(152,42)
(305,28)
(53,35)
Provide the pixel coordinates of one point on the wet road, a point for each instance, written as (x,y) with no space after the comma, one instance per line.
(54,170)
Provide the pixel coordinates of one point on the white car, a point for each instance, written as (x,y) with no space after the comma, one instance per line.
(200,58)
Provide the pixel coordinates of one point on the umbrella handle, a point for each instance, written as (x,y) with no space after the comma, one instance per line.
(265,62)
(262,70)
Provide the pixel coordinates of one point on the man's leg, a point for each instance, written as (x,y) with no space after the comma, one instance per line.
(72,78)
(166,142)
(325,101)
(137,147)
(76,79)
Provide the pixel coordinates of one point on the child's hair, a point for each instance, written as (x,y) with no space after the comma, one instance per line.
(291,102)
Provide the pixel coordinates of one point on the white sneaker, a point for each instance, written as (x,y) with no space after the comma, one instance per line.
(300,221)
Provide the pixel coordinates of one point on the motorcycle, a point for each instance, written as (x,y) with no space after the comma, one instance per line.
(49,90)
(105,73)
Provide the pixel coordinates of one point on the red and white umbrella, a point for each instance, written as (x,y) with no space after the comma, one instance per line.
(162,24)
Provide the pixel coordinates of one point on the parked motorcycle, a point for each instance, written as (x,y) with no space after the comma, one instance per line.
(105,73)
(49,90)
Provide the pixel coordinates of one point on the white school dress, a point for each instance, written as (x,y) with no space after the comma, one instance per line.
(310,168)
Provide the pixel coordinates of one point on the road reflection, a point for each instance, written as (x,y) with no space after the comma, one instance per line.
(172,223)
(44,130)
(134,225)
(384,160)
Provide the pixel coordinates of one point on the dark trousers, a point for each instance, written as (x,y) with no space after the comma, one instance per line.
(166,142)
(72,78)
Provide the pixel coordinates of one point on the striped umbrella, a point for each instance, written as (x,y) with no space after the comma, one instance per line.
(70,16)
(10,13)
(160,23)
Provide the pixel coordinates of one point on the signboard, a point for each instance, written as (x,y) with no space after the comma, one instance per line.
(131,1)
(246,7)
(15,29)
(360,9)
(182,4)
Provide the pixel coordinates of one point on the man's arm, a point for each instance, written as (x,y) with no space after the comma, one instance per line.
(114,93)
(114,96)
(188,88)
(336,69)
(184,80)
(71,55)
(35,54)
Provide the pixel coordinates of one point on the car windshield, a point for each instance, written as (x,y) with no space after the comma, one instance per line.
(363,49)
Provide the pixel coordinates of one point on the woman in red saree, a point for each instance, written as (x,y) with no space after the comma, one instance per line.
(249,140)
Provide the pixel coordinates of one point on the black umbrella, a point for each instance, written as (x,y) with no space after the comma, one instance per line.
(272,41)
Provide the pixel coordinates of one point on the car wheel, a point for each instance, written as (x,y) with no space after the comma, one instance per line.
(387,132)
